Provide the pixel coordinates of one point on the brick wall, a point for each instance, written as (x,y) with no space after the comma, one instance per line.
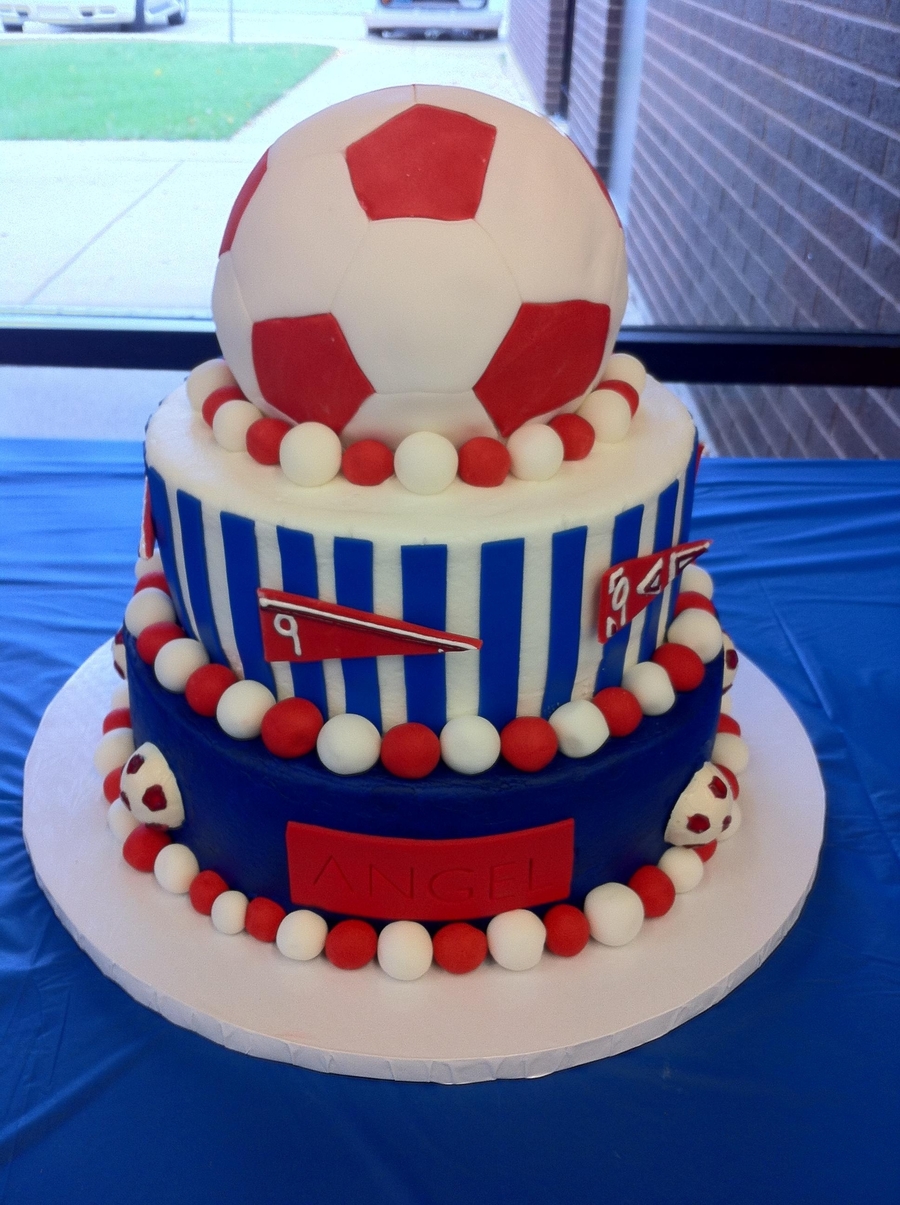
(766,191)
(537,34)
(594,73)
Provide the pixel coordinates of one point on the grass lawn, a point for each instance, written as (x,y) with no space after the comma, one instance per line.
(143,90)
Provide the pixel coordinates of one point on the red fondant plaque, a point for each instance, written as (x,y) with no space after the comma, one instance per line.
(627,588)
(399,878)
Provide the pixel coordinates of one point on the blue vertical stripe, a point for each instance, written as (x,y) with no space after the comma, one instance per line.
(500,628)
(353,579)
(625,544)
(684,533)
(193,546)
(165,540)
(300,575)
(566,581)
(242,573)
(663,537)
(424,570)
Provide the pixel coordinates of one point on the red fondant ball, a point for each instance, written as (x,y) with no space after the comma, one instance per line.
(731,778)
(205,889)
(410,751)
(484,461)
(684,667)
(119,717)
(576,433)
(567,930)
(459,948)
(290,728)
(690,599)
(705,852)
(264,439)
(620,708)
(218,397)
(528,743)
(154,636)
(351,944)
(142,845)
(368,462)
(263,918)
(206,686)
(656,889)
(728,724)
(112,784)
(156,580)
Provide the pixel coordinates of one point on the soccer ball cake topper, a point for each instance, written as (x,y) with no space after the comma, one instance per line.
(420,258)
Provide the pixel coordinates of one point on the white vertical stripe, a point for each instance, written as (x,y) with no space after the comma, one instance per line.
(597,559)
(667,593)
(387,595)
(463,601)
(335,694)
(268,556)
(645,546)
(218,585)
(172,498)
(534,645)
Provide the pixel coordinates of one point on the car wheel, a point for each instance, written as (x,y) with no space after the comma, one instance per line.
(11,28)
(180,15)
(140,21)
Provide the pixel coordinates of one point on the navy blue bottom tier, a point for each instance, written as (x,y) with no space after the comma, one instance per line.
(239,798)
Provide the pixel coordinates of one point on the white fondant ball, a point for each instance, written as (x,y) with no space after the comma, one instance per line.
(301,935)
(150,564)
(731,751)
(615,914)
(516,939)
(683,866)
(231,422)
(623,367)
(229,911)
(536,452)
(651,686)
(608,413)
(348,744)
(146,607)
(580,728)
(241,709)
(120,820)
(425,463)
(470,744)
(736,820)
(113,750)
(726,705)
(310,454)
(206,377)
(699,630)
(404,950)
(697,580)
(176,661)
(119,696)
(175,868)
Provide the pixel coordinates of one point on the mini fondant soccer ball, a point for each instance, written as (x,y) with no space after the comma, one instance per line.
(420,258)
(149,789)
(702,811)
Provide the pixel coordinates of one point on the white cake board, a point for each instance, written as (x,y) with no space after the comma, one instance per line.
(492,1024)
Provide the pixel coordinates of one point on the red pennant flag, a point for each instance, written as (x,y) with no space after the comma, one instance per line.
(296,628)
(627,588)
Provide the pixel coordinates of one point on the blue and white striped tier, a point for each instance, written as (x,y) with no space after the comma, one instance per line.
(518,566)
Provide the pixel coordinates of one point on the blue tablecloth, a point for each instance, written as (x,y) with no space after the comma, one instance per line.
(787,1091)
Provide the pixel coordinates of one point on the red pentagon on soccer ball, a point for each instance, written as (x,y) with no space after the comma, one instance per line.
(567,930)
(656,889)
(264,439)
(484,462)
(576,433)
(529,743)
(620,708)
(119,717)
(351,944)
(691,599)
(205,687)
(728,724)
(242,200)
(156,580)
(427,162)
(367,462)
(684,667)
(263,918)
(731,778)
(410,750)
(142,845)
(290,728)
(205,889)
(459,948)
(154,636)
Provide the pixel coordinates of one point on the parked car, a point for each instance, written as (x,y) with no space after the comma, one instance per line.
(434,18)
(122,14)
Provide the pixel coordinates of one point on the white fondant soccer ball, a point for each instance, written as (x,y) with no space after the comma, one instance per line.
(420,258)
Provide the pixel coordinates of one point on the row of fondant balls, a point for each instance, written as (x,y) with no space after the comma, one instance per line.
(311,454)
(351,744)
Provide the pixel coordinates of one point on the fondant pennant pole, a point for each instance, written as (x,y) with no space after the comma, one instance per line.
(297,628)
(627,588)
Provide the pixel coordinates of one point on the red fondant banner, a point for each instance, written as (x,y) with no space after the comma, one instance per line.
(296,628)
(627,588)
(398,878)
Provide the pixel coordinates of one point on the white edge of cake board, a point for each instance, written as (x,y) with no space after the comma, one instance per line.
(492,1024)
